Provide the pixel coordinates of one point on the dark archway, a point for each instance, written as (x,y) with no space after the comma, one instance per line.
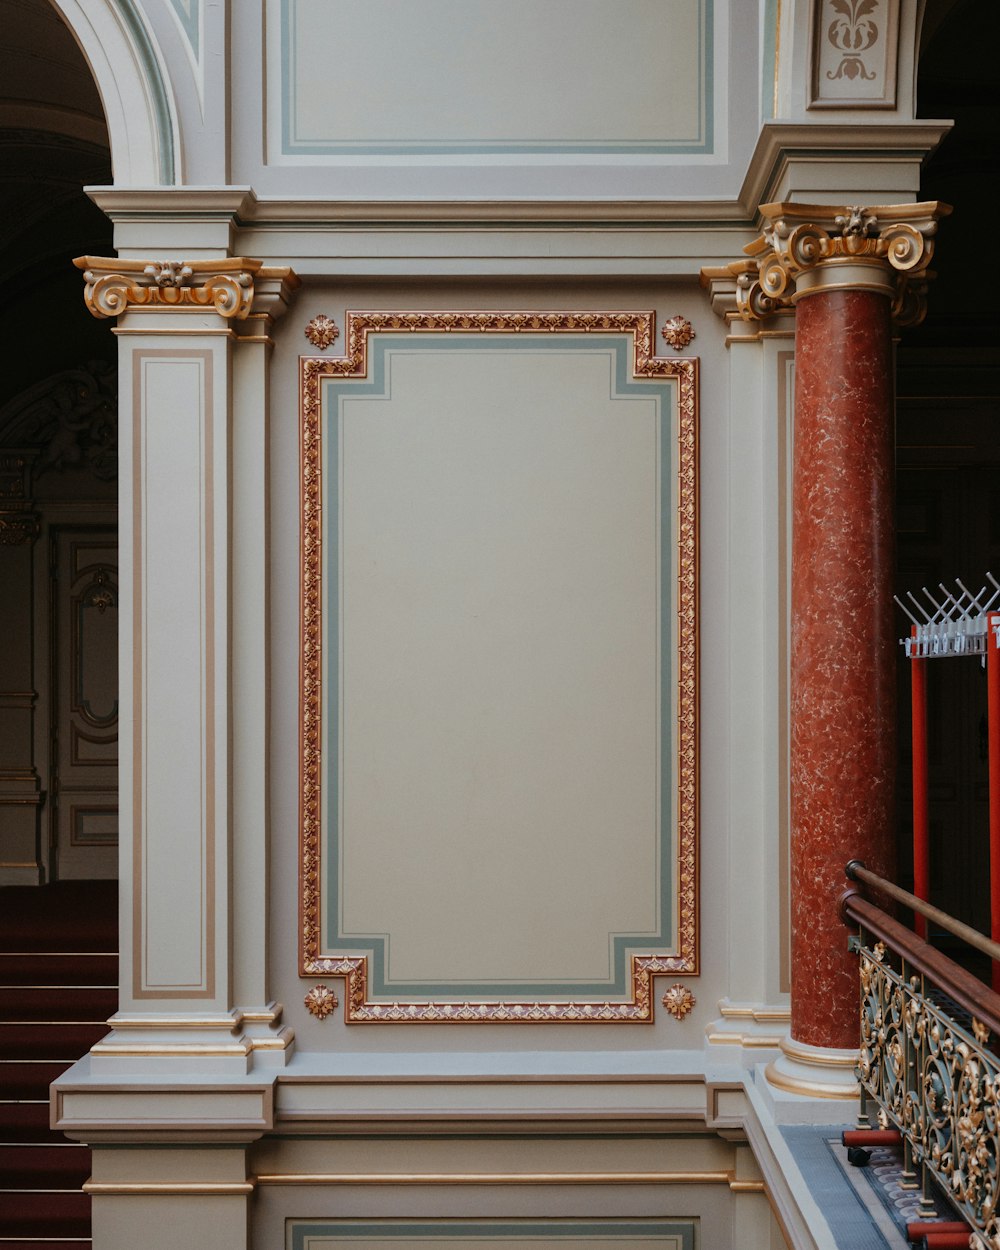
(948,447)
(58,446)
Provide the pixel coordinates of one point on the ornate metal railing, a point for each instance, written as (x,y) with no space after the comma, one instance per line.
(928,1032)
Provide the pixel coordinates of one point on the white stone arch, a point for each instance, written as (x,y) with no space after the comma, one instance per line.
(136,93)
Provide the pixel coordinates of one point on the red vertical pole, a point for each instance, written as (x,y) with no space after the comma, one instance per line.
(921,824)
(993,715)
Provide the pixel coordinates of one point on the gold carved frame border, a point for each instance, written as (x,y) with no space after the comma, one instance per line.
(314,370)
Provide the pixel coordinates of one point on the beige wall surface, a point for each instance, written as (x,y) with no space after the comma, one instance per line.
(431,903)
(393,76)
(493,671)
(467,100)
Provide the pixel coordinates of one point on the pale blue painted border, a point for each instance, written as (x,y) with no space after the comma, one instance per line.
(157,88)
(292,146)
(190,22)
(450,1230)
(769,60)
(664,390)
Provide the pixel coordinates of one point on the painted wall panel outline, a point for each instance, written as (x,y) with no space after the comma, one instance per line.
(626,994)
(318,105)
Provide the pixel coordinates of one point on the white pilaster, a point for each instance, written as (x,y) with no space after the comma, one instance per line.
(754,1017)
(273,290)
(178,629)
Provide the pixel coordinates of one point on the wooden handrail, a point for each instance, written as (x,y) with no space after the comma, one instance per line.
(856,871)
(968,991)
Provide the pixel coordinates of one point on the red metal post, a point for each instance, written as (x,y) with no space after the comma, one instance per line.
(921,824)
(993,714)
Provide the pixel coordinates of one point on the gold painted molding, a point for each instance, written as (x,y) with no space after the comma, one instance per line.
(811,1089)
(211,1189)
(228,1023)
(816,1057)
(748,1187)
(760,1015)
(165,1048)
(114,286)
(360,326)
(511,1178)
(759,1041)
(807,249)
(814,1071)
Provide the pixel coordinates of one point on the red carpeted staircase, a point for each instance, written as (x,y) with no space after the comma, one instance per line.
(58,986)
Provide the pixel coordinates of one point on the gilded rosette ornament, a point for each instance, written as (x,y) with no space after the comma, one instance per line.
(805,249)
(322,331)
(320,1001)
(115,286)
(679,1001)
(678,332)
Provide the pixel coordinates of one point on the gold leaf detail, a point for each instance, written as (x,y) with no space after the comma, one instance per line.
(115,285)
(320,1001)
(359,328)
(678,1000)
(678,332)
(322,331)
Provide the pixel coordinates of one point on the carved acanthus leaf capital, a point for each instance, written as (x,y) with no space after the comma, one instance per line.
(807,248)
(737,295)
(115,286)
(753,303)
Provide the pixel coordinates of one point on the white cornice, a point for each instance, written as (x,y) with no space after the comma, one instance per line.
(782,143)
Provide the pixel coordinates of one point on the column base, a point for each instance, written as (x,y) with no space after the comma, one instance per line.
(272,1043)
(749,1030)
(811,1084)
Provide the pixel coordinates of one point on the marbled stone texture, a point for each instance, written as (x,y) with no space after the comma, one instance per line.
(842,671)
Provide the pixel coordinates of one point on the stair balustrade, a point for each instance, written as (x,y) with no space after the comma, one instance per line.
(929,1053)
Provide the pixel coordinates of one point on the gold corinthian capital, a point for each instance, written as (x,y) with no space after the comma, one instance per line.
(116,286)
(805,249)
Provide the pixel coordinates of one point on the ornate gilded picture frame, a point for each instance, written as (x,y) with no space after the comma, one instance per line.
(499,655)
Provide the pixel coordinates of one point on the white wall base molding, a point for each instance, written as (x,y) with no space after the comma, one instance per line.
(750,1032)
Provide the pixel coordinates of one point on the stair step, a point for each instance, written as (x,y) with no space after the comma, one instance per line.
(65,968)
(28,1079)
(44,1166)
(57,1002)
(41,1040)
(61,916)
(26,1122)
(32,1212)
(58,986)
(45,1243)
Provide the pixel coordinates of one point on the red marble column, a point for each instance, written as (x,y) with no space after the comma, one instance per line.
(842,651)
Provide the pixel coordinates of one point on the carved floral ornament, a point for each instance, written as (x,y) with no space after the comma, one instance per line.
(806,248)
(115,286)
(322,331)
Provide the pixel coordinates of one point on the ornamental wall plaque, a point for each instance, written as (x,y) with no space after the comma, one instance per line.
(498,667)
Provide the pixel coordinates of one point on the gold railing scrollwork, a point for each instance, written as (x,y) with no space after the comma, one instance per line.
(928,1064)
